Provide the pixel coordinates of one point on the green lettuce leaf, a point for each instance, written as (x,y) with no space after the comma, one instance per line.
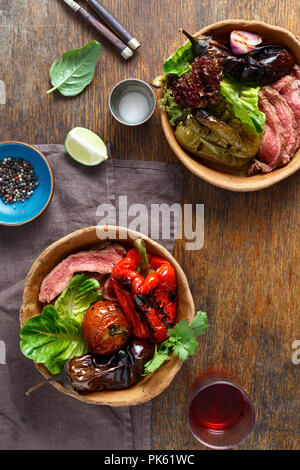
(176,112)
(179,62)
(50,339)
(55,335)
(77,297)
(244,100)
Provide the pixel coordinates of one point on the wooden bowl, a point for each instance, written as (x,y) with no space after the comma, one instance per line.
(237,182)
(153,384)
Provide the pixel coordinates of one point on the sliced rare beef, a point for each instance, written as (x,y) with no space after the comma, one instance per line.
(288,87)
(296,74)
(272,142)
(288,122)
(101,262)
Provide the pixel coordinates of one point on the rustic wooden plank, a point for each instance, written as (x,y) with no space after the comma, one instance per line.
(246,276)
(252,310)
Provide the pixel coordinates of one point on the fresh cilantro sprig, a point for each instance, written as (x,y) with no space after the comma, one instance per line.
(181,341)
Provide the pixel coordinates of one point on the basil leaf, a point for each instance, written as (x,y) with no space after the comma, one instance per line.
(49,339)
(179,62)
(77,297)
(75,69)
(244,100)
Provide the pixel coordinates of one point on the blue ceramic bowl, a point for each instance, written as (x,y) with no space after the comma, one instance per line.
(20,213)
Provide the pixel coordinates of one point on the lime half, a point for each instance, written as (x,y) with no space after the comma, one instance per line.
(85,147)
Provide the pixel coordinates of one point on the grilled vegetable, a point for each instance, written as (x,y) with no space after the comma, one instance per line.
(263,65)
(205,45)
(211,145)
(147,296)
(218,132)
(105,328)
(250,140)
(260,66)
(180,61)
(91,373)
(238,139)
(242,42)
(199,44)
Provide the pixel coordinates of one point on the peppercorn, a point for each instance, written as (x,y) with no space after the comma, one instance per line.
(18,180)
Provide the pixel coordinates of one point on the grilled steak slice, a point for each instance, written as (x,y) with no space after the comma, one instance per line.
(258,167)
(288,87)
(296,74)
(101,262)
(272,141)
(288,122)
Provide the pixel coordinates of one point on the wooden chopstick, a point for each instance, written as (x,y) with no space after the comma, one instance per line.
(114,24)
(121,47)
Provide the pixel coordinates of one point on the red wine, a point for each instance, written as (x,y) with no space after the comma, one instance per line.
(217,407)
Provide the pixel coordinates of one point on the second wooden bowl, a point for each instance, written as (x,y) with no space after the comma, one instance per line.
(153,384)
(234,182)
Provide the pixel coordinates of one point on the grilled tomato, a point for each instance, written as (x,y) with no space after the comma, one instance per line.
(105,328)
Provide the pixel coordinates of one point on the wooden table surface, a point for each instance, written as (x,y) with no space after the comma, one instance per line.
(247,276)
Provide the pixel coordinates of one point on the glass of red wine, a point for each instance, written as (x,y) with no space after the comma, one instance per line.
(220,413)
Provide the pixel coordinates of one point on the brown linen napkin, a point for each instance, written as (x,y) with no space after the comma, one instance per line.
(48,419)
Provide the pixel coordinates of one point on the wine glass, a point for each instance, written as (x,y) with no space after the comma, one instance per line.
(220,413)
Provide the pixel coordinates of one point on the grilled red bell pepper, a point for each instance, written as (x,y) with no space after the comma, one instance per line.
(146,288)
